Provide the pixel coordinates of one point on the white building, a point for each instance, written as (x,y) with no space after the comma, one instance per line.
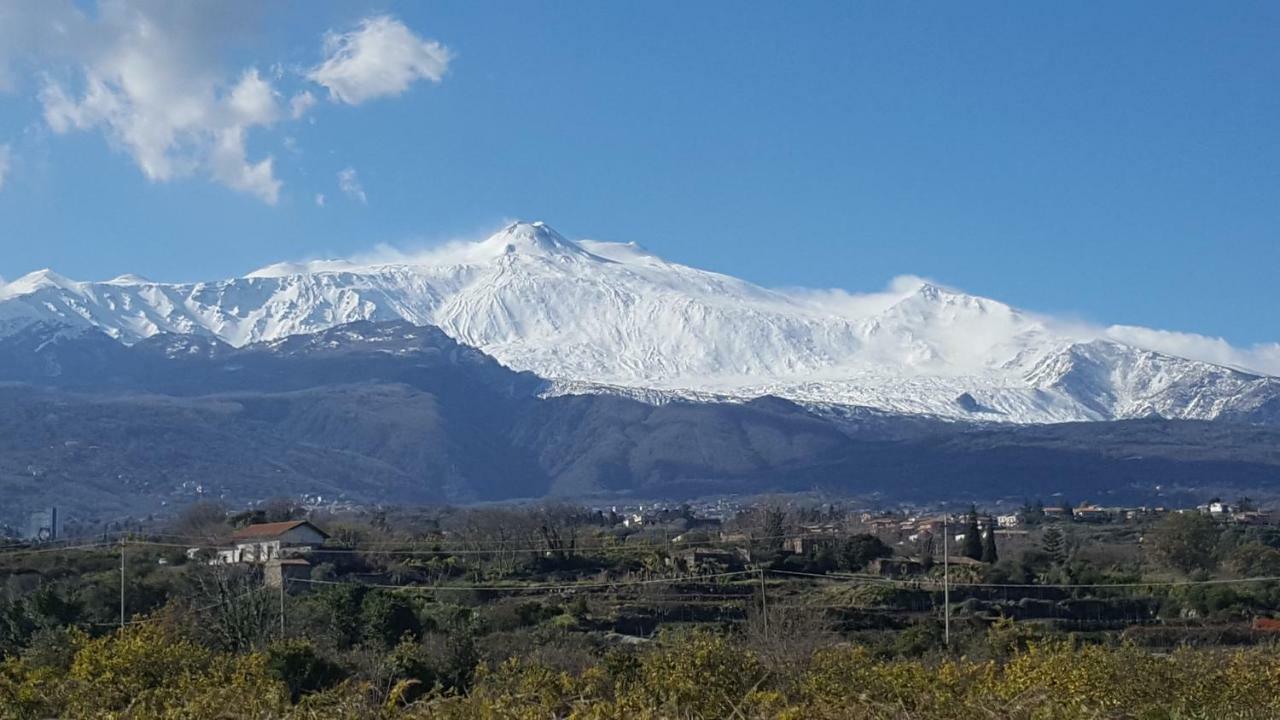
(44,525)
(272,541)
(1008,521)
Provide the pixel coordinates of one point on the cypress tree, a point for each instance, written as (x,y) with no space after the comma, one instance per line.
(973,536)
(1055,544)
(989,552)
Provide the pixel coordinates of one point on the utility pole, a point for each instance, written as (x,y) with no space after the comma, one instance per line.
(282,581)
(946,583)
(122,582)
(764,605)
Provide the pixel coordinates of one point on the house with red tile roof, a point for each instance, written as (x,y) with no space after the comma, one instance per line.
(272,541)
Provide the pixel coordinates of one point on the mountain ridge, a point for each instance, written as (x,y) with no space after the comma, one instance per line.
(608,315)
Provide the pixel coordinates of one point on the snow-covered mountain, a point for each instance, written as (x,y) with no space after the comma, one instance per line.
(596,316)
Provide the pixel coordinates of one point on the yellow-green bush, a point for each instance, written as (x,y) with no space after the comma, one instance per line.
(143,672)
(146,672)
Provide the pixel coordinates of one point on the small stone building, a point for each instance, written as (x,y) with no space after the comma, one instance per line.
(896,567)
(707,559)
(277,572)
(811,543)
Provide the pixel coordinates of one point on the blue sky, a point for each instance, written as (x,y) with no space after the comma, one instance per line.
(1119,162)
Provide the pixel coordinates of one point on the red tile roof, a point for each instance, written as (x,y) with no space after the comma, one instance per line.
(271,530)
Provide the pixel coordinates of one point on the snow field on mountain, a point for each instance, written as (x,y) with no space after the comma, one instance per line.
(594,315)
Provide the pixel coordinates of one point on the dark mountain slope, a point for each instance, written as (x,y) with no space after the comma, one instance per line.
(607,443)
(394,413)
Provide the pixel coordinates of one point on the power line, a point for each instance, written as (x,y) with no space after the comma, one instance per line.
(366,551)
(43,550)
(520,588)
(1028,586)
(203,608)
(917,583)
(864,578)
(453,546)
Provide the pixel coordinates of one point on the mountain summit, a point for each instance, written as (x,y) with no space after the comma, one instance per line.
(535,238)
(597,316)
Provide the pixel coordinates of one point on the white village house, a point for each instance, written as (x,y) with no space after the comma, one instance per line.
(1011,520)
(272,541)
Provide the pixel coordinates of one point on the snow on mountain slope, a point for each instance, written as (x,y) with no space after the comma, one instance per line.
(593,315)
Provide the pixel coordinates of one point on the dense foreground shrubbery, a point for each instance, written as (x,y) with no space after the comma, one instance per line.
(147,671)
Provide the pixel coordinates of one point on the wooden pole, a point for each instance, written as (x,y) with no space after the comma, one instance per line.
(764,605)
(122,582)
(281,601)
(946,584)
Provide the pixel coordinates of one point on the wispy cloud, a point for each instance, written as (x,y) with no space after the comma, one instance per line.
(381,57)
(301,103)
(451,250)
(350,185)
(6,158)
(855,305)
(1263,357)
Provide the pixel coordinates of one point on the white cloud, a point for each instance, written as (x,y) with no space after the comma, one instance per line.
(148,78)
(253,100)
(26,27)
(301,103)
(228,166)
(5,159)
(151,77)
(319,199)
(349,183)
(859,305)
(379,58)
(1263,357)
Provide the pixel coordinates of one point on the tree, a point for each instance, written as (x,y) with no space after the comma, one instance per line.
(1253,559)
(387,618)
(241,614)
(202,520)
(1055,544)
(824,558)
(558,528)
(1032,513)
(21,619)
(503,534)
(775,528)
(973,536)
(300,666)
(1185,541)
(858,550)
(925,548)
(408,671)
(276,509)
(989,553)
